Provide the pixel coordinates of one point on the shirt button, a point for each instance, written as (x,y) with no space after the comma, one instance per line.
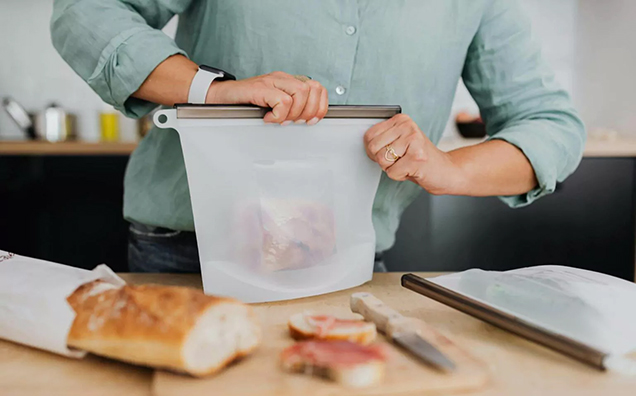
(340,90)
(350,30)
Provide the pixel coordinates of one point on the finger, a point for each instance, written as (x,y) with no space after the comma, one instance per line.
(383,126)
(298,90)
(280,103)
(402,170)
(302,78)
(412,165)
(400,146)
(377,129)
(379,143)
(313,102)
(408,167)
(323,108)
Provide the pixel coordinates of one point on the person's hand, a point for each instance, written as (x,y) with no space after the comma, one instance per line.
(289,98)
(405,153)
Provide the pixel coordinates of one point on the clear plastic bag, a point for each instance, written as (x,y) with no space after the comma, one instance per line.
(280,212)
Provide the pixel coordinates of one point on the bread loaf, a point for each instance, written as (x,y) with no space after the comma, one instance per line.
(169,327)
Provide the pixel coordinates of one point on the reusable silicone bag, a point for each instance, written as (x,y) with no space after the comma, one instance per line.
(279,212)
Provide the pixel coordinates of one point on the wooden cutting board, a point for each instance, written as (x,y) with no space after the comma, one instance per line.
(260,374)
(27,371)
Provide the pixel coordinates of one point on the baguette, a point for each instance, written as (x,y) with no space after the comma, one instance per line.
(347,363)
(327,327)
(175,328)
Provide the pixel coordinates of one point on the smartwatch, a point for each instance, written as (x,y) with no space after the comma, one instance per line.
(202,81)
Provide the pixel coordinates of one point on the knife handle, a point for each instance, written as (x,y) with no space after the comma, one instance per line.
(386,319)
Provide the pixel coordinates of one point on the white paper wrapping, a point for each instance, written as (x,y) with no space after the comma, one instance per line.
(33,307)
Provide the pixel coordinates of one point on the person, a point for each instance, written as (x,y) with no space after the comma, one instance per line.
(411,53)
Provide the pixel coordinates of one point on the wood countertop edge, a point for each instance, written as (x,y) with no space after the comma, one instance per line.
(194,280)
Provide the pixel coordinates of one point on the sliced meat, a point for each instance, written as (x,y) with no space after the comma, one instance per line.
(345,362)
(328,327)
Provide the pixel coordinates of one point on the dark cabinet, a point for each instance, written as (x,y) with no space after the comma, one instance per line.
(587,223)
(66,209)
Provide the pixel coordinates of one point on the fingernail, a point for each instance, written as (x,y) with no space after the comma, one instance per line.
(313,121)
(300,121)
(285,123)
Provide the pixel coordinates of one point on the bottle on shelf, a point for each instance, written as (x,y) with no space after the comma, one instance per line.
(109,122)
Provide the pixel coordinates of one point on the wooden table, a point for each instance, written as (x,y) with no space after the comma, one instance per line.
(519,367)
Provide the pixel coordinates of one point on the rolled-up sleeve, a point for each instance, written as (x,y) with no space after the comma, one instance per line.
(519,99)
(115,44)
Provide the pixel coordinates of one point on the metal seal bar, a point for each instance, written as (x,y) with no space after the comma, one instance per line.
(496,317)
(208,111)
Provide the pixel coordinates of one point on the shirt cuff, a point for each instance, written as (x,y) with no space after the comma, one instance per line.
(125,64)
(534,147)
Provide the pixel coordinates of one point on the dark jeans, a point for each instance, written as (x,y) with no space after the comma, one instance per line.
(156,249)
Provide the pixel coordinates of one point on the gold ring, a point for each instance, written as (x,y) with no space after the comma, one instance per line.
(389,150)
(301,78)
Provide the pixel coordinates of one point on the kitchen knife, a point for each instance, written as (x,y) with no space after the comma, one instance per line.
(400,329)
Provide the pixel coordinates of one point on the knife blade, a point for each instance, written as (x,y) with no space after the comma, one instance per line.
(400,330)
(422,349)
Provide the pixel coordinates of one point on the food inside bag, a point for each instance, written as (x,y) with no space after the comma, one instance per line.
(292,224)
(296,234)
(286,234)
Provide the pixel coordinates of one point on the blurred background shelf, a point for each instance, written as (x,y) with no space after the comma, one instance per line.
(65,148)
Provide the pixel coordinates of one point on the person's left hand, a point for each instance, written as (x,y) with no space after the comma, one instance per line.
(413,156)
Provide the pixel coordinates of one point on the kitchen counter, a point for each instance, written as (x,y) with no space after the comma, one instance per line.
(518,367)
(622,147)
(619,147)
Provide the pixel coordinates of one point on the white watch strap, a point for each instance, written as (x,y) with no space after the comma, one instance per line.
(200,86)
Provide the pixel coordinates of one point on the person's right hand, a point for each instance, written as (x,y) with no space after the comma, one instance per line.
(289,98)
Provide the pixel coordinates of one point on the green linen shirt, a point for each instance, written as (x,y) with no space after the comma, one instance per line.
(409,52)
